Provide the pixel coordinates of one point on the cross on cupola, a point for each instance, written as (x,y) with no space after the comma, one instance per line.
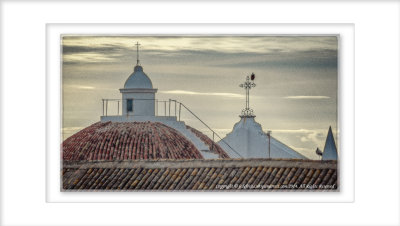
(137,53)
(247,85)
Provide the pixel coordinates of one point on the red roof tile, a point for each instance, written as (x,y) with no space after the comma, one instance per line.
(219,174)
(128,140)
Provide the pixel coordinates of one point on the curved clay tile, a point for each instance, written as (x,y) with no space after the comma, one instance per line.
(128,140)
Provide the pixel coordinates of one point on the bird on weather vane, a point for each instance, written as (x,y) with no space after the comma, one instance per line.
(247,85)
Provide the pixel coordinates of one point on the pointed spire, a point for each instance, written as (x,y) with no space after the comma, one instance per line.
(137,53)
(330,151)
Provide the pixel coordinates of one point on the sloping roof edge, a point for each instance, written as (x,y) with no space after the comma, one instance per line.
(289,148)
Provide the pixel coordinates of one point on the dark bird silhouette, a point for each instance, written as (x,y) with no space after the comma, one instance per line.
(319,152)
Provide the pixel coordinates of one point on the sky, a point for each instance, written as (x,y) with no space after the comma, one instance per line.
(296,81)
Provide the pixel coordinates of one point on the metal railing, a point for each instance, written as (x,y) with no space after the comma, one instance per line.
(113,107)
(213,132)
(165,107)
(107,101)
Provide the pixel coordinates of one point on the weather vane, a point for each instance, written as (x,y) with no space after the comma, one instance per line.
(137,53)
(247,85)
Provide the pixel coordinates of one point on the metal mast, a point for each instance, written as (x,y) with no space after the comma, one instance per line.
(137,53)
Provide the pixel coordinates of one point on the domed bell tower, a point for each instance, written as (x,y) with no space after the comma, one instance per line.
(138,95)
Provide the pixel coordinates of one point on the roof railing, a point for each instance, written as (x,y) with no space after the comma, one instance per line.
(198,118)
(117,106)
(166,106)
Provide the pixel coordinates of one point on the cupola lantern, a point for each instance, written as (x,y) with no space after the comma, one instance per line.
(138,95)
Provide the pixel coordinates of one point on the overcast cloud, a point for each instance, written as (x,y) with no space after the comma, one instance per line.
(296,77)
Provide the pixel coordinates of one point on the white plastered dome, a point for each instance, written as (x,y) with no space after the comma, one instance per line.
(138,80)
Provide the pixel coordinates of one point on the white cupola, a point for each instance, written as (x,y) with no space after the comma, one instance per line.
(138,95)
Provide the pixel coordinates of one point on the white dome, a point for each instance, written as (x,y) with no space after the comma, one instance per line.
(138,80)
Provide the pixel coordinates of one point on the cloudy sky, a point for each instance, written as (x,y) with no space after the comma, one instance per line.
(296,78)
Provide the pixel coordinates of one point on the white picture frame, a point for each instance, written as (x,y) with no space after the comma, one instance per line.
(27,136)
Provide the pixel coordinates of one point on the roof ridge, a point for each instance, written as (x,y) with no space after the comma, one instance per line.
(193,163)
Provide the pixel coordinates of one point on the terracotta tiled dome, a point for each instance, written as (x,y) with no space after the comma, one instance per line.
(128,140)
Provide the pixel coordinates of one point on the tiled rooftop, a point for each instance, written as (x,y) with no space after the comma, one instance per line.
(201,175)
(128,141)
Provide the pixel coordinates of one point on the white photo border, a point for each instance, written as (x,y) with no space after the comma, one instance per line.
(345,34)
(23,144)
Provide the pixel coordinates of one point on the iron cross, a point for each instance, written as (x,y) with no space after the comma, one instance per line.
(247,85)
(137,52)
